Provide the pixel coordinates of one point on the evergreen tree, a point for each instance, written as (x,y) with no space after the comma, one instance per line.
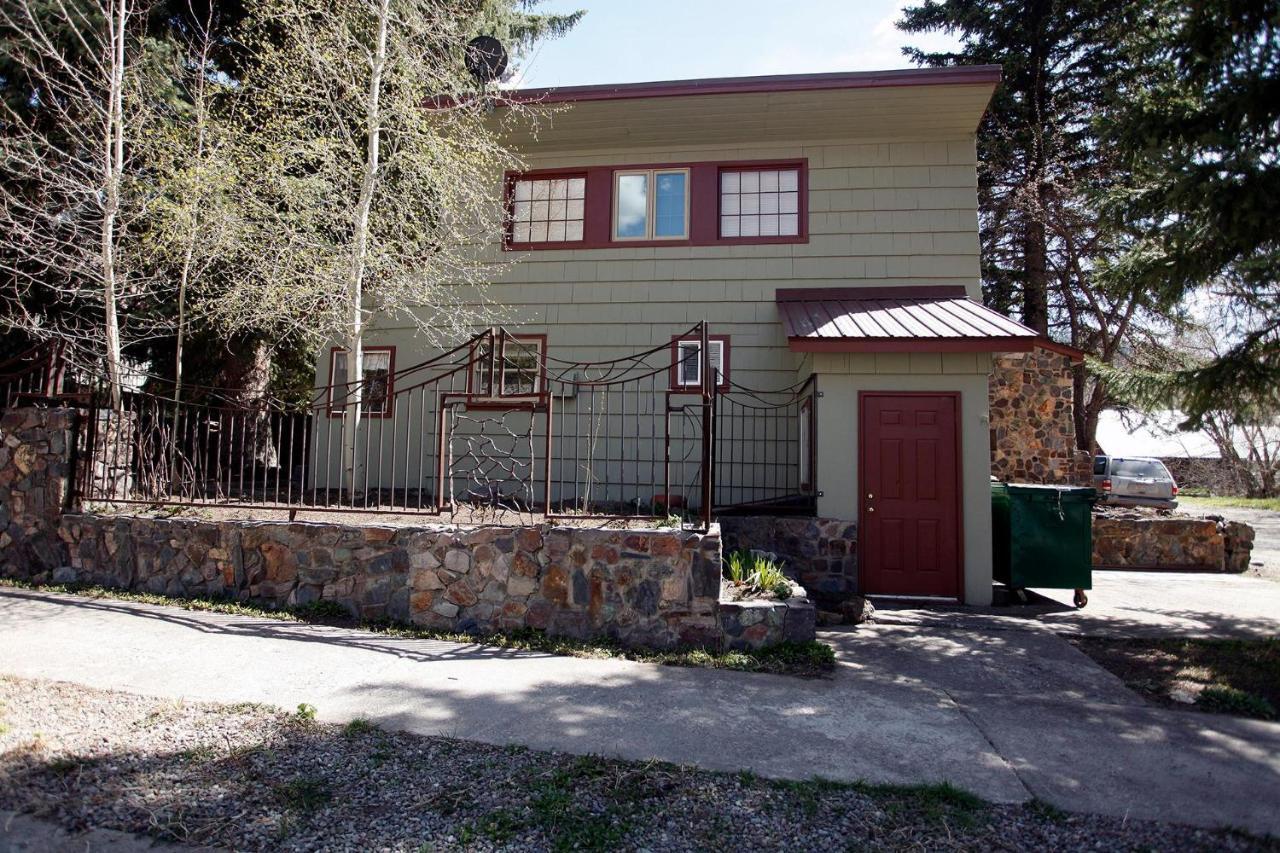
(1040,166)
(1195,125)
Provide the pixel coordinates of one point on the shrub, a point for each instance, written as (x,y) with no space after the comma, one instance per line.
(1230,700)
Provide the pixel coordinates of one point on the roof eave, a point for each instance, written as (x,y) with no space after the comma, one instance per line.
(953,76)
(889,345)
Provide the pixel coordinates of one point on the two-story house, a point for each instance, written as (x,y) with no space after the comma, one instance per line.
(825,228)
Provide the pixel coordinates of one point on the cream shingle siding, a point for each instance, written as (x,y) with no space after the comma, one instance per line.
(882,213)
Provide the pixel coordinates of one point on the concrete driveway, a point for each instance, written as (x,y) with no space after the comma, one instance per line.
(1004,708)
(1128,604)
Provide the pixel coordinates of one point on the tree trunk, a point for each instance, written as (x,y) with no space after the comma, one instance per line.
(1035,288)
(112,171)
(359,252)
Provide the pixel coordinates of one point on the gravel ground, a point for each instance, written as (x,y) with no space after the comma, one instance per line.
(256,778)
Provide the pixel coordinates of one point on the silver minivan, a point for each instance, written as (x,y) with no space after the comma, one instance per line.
(1134,481)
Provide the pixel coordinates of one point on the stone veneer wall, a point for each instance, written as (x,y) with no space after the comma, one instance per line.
(1033,434)
(820,553)
(759,623)
(35,446)
(1144,542)
(655,588)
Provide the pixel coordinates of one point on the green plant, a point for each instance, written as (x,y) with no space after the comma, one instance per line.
(1230,700)
(304,794)
(782,589)
(358,726)
(305,713)
(736,566)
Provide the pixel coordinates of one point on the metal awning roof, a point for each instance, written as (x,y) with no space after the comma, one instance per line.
(896,319)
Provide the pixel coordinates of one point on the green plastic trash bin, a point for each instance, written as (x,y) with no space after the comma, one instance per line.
(1043,537)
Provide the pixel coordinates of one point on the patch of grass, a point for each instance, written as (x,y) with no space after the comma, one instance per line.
(357,727)
(1229,700)
(1272,504)
(932,803)
(324,608)
(304,794)
(305,713)
(63,765)
(1227,676)
(808,660)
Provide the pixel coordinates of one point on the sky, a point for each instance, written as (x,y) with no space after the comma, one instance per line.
(631,41)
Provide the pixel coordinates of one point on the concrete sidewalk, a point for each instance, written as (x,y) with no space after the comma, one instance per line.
(1006,713)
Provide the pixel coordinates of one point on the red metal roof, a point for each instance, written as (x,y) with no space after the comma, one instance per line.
(952,75)
(897,319)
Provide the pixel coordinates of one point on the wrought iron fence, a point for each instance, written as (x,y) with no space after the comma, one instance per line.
(33,374)
(492,428)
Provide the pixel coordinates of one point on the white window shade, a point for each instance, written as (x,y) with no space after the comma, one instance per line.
(760,203)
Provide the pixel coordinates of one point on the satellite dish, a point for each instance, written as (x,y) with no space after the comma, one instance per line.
(486,59)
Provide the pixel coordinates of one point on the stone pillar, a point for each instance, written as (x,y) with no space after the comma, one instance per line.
(35,450)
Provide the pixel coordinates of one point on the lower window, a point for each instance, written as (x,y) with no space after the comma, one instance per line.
(377,369)
(686,372)
(519,371)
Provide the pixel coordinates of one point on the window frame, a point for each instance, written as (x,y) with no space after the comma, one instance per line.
(702,199)
(678,386)
(341,410)
(509,208)
(807,445)
(801,169)
(481,399)
(651,205)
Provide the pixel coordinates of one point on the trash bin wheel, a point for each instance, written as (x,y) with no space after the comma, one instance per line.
(1081,599)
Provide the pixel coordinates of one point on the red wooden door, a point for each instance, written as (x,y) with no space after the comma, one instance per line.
(909,521)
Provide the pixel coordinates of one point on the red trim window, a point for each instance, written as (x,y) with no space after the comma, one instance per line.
(759,202)
(377,395)
(659,204)
(686,362)
(520,371)
(547,209)
(806,444)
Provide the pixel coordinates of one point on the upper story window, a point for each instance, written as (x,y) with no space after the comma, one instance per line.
(548,210)
(651,204)
(659,204)
(687,362)
(759,202)
(378,369)
(517,373)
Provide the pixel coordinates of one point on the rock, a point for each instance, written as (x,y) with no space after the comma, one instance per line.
(64,574)
(857,610)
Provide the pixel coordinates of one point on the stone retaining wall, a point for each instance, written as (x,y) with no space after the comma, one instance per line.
(759,623)
(657,588)
(820,553)
(1171,542)
(35,447)
(654,588)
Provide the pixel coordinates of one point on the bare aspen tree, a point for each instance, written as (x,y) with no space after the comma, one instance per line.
(372,179)
(65,155)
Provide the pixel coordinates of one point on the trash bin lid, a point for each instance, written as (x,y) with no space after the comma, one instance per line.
(1057,493)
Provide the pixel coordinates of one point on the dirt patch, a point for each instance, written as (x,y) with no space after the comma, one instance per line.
(1220,676)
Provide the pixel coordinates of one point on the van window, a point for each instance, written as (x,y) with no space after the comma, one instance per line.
(1099,464)
(1139,468)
